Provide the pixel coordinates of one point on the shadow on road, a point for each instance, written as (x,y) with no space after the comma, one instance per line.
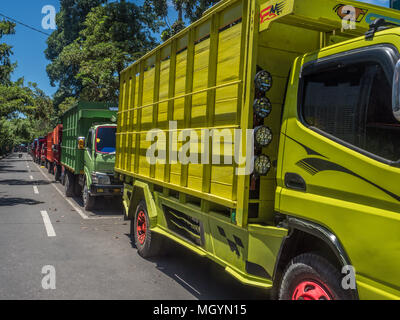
(10,170)
(103,206)
(203,278)
(15,182)
(17,201)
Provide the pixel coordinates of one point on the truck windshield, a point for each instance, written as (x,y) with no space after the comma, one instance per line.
(105,139)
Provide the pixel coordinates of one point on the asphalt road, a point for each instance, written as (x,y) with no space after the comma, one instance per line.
(90,254)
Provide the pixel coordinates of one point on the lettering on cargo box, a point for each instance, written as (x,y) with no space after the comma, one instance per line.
(272,11)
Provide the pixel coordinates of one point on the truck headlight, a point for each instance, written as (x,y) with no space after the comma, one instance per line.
(262,165)
(262,107)
(100,178)
(263,81)
(263,136)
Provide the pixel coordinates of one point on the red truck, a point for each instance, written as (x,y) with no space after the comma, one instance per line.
(43,152)
(53,151)
(38,149)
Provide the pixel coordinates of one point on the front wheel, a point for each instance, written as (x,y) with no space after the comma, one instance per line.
(312,277)
(148,244)
(88,200)
(69,184)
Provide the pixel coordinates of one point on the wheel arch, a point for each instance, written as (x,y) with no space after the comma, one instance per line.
(305,236)
(141,191)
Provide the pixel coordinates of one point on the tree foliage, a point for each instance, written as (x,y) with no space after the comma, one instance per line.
(70,21)
(191,10)
(21,107)
(109,38)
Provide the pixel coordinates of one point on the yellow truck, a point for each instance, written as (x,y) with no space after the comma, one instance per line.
(265,136)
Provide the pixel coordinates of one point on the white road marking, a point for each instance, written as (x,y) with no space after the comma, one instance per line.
(187,284)
(35,190)
(31,177)
(74,206)
(47,223)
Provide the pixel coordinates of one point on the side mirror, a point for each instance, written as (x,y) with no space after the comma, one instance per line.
(81,143)
(396,92)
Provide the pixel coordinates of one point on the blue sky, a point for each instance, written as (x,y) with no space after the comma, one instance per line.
(29,46)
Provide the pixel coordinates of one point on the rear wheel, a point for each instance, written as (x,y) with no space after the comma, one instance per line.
(88,200)
(77,187)
(312,277)
(148,244)
(69,184)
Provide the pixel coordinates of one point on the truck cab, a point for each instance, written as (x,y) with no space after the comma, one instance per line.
(99,157)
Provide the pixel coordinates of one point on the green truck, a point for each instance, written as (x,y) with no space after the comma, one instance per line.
(314,211)
(88,152)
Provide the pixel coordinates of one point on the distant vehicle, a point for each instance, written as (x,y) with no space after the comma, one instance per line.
(53,154)
(88,152)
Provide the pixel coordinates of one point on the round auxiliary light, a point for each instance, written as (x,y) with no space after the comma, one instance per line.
(263,81)
(263,136)
(262,165)
(262,107)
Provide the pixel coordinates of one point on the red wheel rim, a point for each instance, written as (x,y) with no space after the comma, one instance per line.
(141,227)
(310,290)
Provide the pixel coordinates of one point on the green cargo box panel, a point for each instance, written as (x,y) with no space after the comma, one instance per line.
(76,123)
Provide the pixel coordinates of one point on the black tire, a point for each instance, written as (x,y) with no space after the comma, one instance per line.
(77,187)
(152,244)
(69,184)
(312,272)
(62,178)
(57,173)
(88,200)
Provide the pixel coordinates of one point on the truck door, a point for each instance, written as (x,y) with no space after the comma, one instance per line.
(340,155)
(89,151)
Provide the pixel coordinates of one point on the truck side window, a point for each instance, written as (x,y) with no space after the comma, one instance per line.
(353,104)
(89,141)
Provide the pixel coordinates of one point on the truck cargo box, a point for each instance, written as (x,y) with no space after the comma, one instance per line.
(203,79)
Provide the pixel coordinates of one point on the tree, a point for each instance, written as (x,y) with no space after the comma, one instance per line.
(112,37)
(191,9)
(6,67)
(24,110)
(70,21)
